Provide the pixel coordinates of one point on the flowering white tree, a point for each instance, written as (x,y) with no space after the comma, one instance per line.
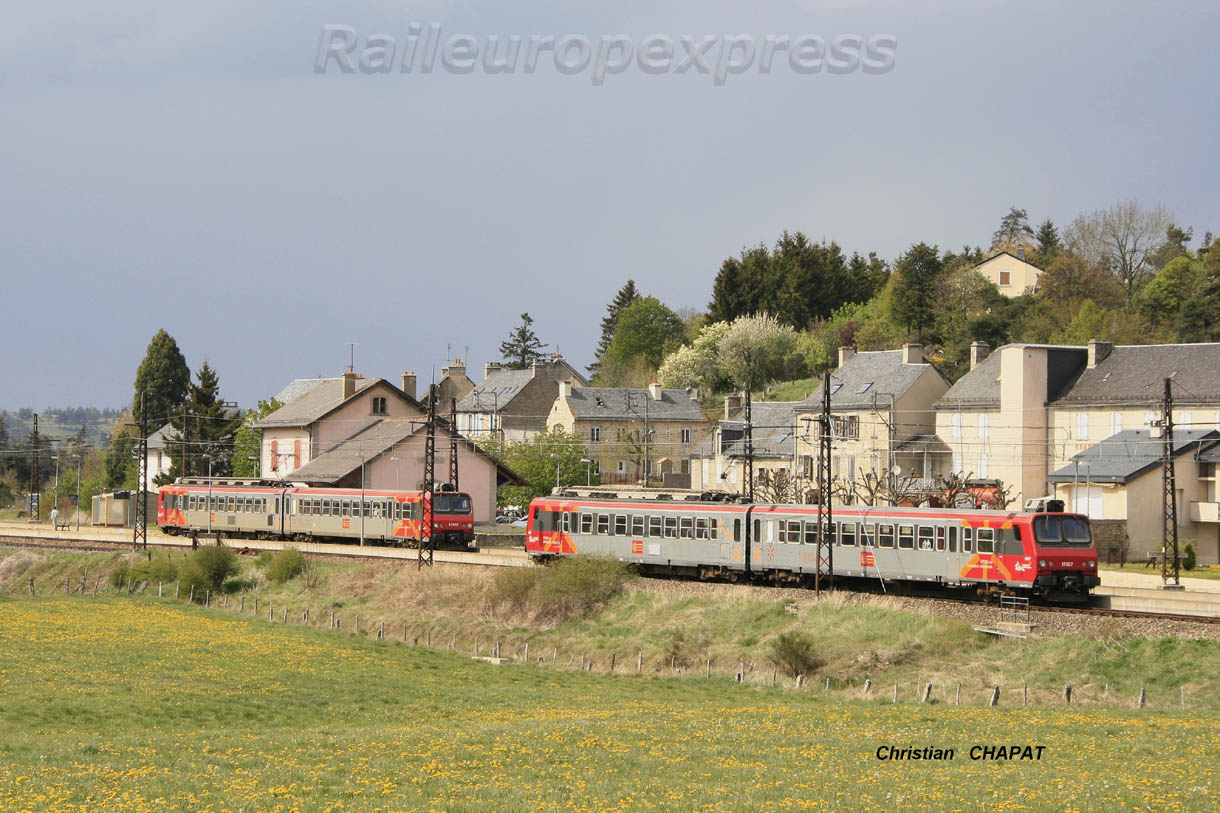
(757,350)
(695,364)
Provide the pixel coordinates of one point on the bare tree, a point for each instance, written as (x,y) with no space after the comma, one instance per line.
(1121,239)
(775,486)
(953,486)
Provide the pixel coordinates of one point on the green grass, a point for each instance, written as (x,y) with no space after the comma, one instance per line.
(127,703)
(797,390)
(1199,572)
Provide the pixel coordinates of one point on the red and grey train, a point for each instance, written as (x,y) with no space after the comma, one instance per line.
(260,510)
(1048,553)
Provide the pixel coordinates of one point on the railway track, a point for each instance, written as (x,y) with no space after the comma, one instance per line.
(493,557)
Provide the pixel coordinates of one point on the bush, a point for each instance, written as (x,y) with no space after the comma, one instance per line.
(285,565)
(792,653)
(206,569)
(265,558)
(566,589)
(1189,557)
(162,570)
(119,576)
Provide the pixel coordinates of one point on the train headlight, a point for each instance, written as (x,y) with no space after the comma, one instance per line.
(1041,563)
(1092,564)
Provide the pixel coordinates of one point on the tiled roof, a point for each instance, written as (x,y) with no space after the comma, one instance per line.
(1137,373)
(918,444)
(375,440)
(869,377)
(979,387)
(628,403)
(495,391)
(298,387)
(1124,456)
(316,401)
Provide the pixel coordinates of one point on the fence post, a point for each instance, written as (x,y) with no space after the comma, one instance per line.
(828,683)
(381,631)
(1183,692)
(639,661)
(270,611)
(707,669)
(927,692)
(191,599)
(243,604)
(995,696)
(868,685)
(453,642)
(800,681)
(1025,694)
(207,598)
(285,621)
(554,655)
(404,633)
(1143,697)
(895,692)
(957,700)
(428,638)
(32,586)
(158,589)
(356,625)
(526,656)
(1067,694)
(99,578)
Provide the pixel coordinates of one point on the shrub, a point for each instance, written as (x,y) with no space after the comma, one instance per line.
(561,591)
(265,558)
(162,569)
(214,563)
(285,565)
(792,653)
(1189,557)
(119,575)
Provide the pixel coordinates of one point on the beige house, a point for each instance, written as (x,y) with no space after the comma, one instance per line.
(514,405)
(633,433)
(882,416)
(320,413)
(1027,412)
(1010,273)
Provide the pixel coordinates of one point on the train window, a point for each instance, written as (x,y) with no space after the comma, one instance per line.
(952,539)
(346,508)
(811,533)
(967,540)
(1008,542)
(847,534)
(885,536)
(906,537)
(190,503)
(701,527)
(737,529)
(757,530)
(637,525)
(940,539)
(326,507)
(686,527)
(671,527)
(794,531)
(868,535)
(654,526)
(277,505)
(375,508)
(620,524)
(713,528)
(986,540)
(586,523)
(232,501)
(926,536)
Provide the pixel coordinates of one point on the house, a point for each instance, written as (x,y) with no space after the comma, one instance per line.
(1011,273)
(633,433)
(1026,412)
(881,416)
(514,404)
(389,454)
(719,462)
(160,457)
(453,386)
(318,414)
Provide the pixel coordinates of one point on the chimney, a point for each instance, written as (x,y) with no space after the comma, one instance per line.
(654,389)
(845,353)
(349,384)
(454,370)
(978,352)
(912,353)
(731,402)
(565,389)
(491,367)
(408,384)
(1098,352)
(534,368)
(692,393)
(1021,254)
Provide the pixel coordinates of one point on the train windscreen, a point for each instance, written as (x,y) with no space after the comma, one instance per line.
(451,503)
(1063,532)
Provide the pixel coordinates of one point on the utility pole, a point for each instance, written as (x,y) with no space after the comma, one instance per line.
(825,552)
(453,445)
(185,468)
(1169,545)
(35,508)
(139,526)
(749,449)
(80,454)
(429,495)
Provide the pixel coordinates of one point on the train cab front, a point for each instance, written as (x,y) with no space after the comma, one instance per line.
(1066,556)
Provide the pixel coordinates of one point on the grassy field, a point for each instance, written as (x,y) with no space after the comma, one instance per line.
(129,703)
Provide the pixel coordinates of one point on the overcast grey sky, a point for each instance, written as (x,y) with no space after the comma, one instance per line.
(181,165)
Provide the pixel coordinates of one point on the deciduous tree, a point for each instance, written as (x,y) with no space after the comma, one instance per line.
(1122,240)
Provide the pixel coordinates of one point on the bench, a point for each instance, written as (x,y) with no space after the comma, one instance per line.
(63,525)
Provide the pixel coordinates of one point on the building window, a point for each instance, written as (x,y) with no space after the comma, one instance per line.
(984,423)
(1116,422)
(686,436)
(1005,278)
(957,424)
(1082,426)
(595,434)
(1186,418)
(982,472)
(622,467)
(379,406)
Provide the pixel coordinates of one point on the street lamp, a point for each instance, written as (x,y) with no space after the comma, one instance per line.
(588,470)
(396,472)
(79,458)
(55,500)
(363,508)
(211,506)
(557,462)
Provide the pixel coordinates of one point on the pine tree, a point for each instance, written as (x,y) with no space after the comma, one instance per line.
(625,296)
(209,426)
(1048,243)
(919,271)
(1014,232)
(522,348)
(163,378)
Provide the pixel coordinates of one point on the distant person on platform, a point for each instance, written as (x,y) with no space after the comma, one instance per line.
(55,518)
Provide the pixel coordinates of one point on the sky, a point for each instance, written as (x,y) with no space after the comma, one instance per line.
(184,166)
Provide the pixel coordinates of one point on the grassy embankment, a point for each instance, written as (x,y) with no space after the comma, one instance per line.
(124,703)
(851,638)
